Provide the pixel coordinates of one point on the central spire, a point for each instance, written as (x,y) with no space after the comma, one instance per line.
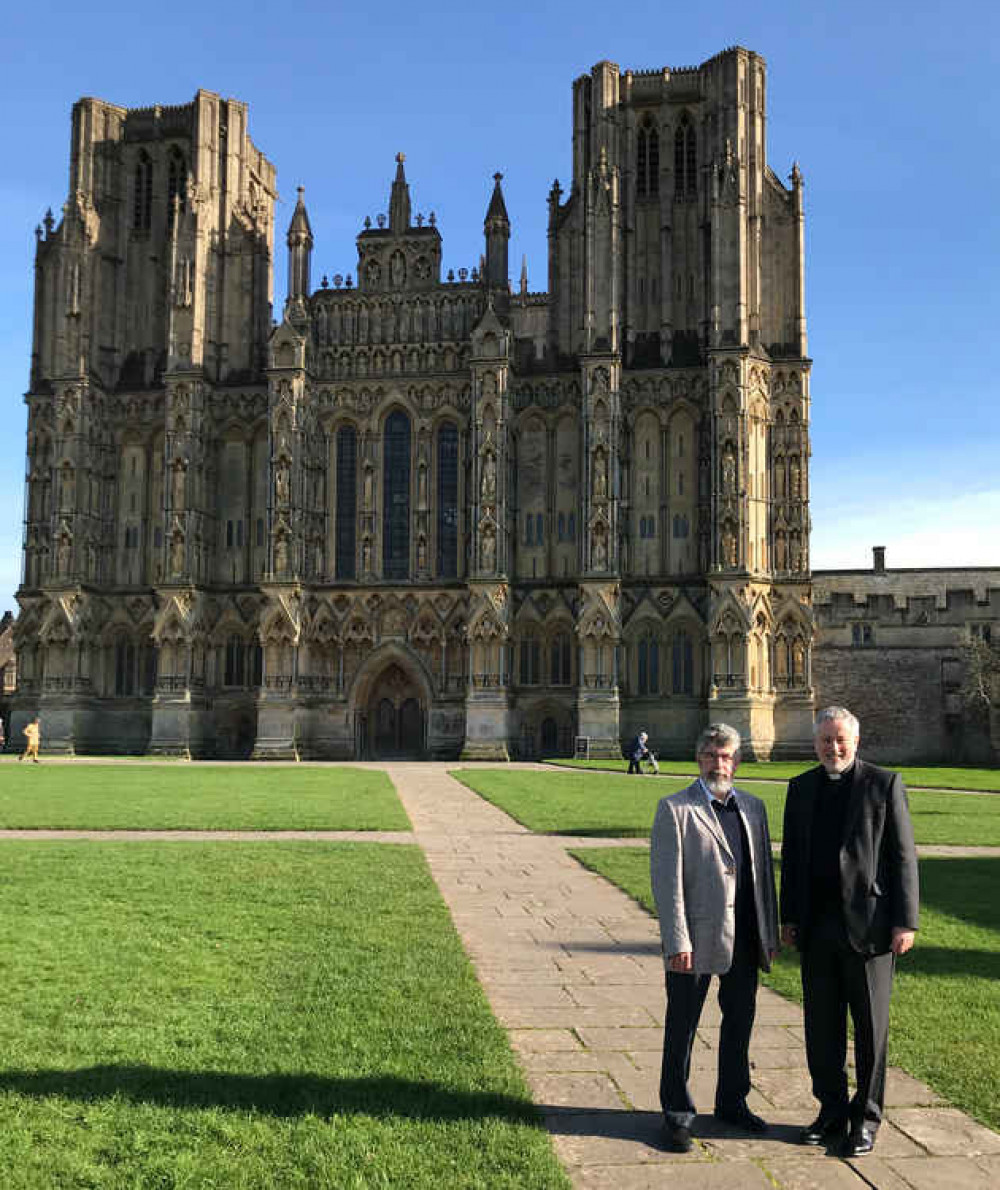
(399,199)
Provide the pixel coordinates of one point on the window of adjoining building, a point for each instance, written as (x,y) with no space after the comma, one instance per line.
(862,636)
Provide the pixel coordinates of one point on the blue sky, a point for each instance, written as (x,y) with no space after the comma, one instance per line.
(890,109)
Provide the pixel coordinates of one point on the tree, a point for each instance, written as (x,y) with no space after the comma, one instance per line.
(982,683)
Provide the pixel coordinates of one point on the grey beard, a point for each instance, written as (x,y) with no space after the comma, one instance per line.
(718,788)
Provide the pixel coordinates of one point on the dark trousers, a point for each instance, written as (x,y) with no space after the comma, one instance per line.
(685,1000)
(634,765)
(837,980)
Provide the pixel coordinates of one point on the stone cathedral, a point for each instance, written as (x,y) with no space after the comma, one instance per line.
(423,515)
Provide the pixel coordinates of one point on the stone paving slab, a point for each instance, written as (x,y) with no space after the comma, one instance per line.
(933,1173)
(572,968)
(945,1131)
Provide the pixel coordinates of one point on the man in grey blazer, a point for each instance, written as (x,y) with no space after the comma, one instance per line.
(713,883)
(850,903)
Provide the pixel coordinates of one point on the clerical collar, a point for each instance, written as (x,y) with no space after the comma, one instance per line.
(846,775)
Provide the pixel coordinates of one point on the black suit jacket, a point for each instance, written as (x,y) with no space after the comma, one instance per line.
(879,882)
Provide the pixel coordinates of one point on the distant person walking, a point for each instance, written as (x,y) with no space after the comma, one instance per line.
(33,734)
(637,752)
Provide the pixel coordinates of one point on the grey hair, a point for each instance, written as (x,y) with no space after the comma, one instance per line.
(720,734)
(837,715)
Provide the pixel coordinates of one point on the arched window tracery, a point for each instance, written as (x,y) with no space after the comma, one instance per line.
(345,549)
(396,503)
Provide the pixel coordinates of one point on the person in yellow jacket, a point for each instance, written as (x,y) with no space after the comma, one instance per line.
(33,734)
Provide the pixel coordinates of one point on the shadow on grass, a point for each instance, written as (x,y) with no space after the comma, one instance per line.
(964,887)
(940,960)
(281,1095)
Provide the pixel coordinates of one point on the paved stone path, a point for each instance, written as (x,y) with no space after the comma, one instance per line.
(572,968)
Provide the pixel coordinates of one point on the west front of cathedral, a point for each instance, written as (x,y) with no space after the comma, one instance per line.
(424,515)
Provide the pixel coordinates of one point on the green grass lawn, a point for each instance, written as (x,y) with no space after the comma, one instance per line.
(945,1025)
(986,780)
(247,1015)
(173,797)
(591,803)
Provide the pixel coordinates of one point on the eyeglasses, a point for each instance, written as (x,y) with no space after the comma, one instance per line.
(728,757)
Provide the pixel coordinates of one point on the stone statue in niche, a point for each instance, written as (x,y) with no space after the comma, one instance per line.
(369,485)
(178,484)
(281,482)
(728,547)
(489,483)
(398,269)
(795,474)
(729,472)
(177,554)
(780,552)
(280,555)
(366,556)
(600,549)
(600,474)
(422,484)
(489,551)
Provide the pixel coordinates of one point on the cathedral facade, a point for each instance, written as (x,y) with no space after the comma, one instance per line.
(423,515)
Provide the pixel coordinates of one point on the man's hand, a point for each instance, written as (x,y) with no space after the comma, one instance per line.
(789,934)
(902,940)
(680,963)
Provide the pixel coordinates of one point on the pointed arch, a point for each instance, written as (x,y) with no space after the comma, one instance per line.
(396,449)
(685,159)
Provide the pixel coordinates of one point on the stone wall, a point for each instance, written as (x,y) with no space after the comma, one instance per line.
(891,645)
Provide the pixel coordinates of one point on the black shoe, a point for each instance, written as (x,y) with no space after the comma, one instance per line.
(676,1137)
(860,1140)
(823,1130)
(741,1117)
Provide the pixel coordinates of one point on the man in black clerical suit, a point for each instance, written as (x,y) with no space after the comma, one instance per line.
(850,903)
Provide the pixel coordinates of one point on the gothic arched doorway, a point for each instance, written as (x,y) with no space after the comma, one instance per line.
(396,717)
(550,737)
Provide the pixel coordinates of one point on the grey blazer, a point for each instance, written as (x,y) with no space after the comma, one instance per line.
(694,879)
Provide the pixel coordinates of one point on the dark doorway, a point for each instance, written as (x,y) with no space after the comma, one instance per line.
(550,737)
(396,717)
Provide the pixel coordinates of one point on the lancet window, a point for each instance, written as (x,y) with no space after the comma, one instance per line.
(447,498)
(347,503)
(142,198)
(685,159)
(647,159)
(396,506)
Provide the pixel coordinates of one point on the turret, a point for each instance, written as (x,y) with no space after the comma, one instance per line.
(300,245)
(496,227)
(399,199)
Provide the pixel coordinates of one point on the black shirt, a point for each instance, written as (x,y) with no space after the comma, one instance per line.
(746,910)
(827,837)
